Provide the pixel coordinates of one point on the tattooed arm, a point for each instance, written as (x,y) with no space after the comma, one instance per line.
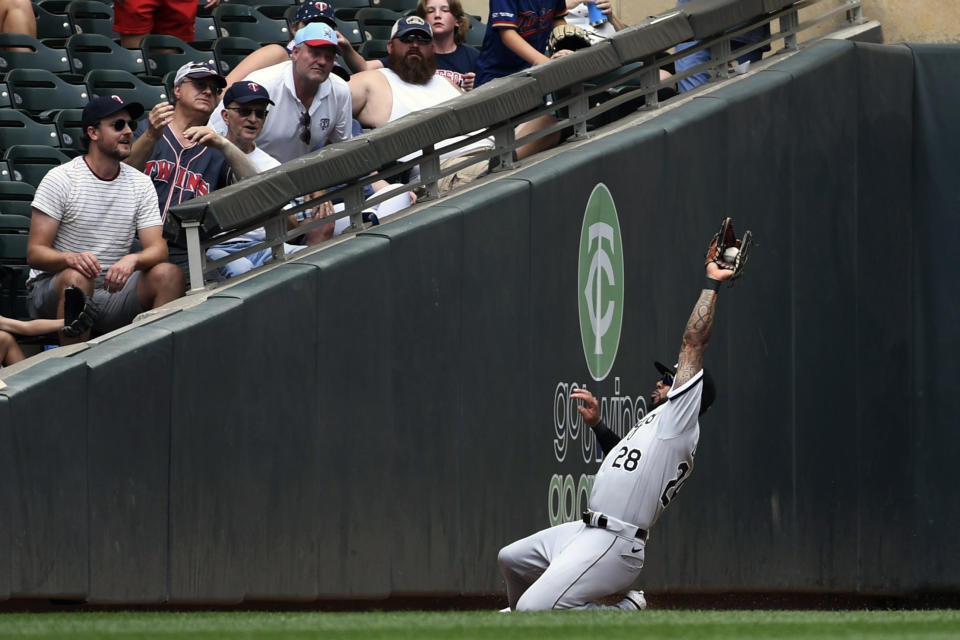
(696,335)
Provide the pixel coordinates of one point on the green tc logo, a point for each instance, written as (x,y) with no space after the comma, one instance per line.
(600,282)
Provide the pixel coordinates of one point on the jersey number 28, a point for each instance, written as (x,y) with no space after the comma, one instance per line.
(632,459)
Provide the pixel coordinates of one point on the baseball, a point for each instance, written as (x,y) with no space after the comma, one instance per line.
(730,255)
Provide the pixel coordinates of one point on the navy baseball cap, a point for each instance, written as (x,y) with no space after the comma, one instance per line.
(317,34)
(410,24)
(707,395)
(199,70)
(316,12)
(246,91)
(104,106)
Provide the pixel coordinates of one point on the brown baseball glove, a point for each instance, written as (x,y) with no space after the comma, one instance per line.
(729,252)
(568,36)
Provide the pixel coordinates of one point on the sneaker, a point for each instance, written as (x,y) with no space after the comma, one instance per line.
(636,599)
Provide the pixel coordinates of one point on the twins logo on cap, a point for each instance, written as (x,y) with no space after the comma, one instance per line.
(116,98)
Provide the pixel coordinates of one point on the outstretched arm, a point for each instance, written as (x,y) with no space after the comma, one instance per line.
(696,335)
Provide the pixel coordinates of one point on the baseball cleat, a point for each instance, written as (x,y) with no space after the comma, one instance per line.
(636,599)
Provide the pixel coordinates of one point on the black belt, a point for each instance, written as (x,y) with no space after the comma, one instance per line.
(602,524)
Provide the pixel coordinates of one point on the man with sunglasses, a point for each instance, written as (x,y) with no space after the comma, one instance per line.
(184,157)
(410,83)
(246,107)
(312,104)
(86,213)
(571,565)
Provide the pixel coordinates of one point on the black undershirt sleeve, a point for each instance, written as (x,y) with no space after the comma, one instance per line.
(607,439)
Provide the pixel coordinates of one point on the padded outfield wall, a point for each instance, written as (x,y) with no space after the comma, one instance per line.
(381,416)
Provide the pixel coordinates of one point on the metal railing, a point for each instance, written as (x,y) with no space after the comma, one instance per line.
(576,88)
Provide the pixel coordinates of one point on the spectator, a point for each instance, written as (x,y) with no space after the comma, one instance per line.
(578,14)
(311,105)
(135,19)
(450,25)
(272,54)
(184,157)
(409,83)
(16,16)
(10,351)
(85,215)
(517,35)
(244,112)
(700,57)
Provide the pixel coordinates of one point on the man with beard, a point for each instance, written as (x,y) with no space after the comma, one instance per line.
(572,565)
(85,215)
(184,157)
(409,83)
(312,106)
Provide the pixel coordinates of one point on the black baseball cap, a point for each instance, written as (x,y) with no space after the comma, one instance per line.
(707,395)
(246,91)
(316,11)
(104,106)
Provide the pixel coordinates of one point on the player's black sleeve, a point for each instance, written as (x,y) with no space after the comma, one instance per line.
(607,439)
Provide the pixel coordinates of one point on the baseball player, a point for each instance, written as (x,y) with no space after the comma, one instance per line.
(571,565)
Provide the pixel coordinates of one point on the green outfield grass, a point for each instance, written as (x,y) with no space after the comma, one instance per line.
(553,625)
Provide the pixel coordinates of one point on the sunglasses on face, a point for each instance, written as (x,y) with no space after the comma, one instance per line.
(120,124)
(410,38)
(667,379)
(205,85)
(244,112)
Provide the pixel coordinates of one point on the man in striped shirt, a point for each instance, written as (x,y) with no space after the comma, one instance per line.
(86,213)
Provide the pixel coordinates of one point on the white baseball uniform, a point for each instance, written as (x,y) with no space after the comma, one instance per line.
(571,565)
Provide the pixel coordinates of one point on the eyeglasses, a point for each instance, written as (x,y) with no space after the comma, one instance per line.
(120,124)
(244,112)
(667,379)
(204,85)
(305,125)
(409,38)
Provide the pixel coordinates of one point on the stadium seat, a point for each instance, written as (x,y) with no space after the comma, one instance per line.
(204,31)
(88,51)
(475,34)
(105,82)
(12,223)
(373,49)
(13,275)
(51,25)
(16,197)
(400,6)
(266,3)
(69,128)
(347,9)
(229,51)
(40,55)
(164,53)
(38,90)
(16,127)
(376,24)
(351,31)
(29,162)
(4,95)
(90,16)
(247,22)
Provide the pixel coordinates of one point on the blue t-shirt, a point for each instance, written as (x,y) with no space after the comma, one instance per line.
(532,19)
(454,65)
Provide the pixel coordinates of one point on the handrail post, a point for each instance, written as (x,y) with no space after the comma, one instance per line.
(719,55)
(578,111)
(788,25)
(195,256)
(855,13)
(430,172)
(276,229)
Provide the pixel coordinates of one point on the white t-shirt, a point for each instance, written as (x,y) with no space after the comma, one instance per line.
(409,97)
(262,161)
(637,480)
(331,113)
(100,216)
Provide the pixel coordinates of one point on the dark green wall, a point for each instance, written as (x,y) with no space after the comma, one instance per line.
(380,417)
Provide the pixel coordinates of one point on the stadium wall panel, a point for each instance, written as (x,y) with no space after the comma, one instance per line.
(381,416)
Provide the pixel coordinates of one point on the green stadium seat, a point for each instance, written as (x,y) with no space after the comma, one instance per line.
(90,16)
(16,197)
(476,33)
(347,9)
(376,24)
(13,248)
(38,91)
(373,49)
(247,22)
(40,56)
(351,31)
(88,51)
(16,127)
(205,31)
(106,82)
(400,6)
(12,223)
(164,53)
(51,25)
(29,163)
(69,128)
(230,50)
